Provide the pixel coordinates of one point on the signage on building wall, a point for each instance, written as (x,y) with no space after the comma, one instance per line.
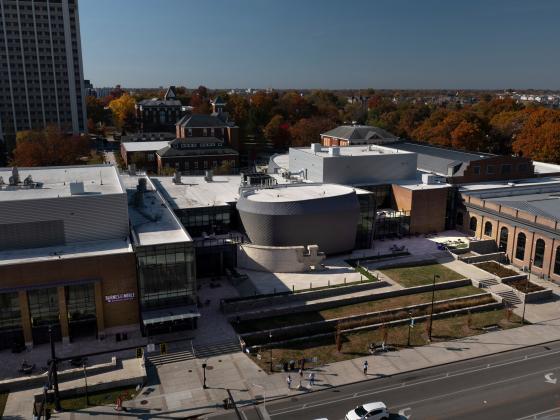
(119,297)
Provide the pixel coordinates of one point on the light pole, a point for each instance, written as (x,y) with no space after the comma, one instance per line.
(526,291)
(409,327)
(270,347)
(432,311)
(85,379)
(204,375)
(264,394)
(54,372)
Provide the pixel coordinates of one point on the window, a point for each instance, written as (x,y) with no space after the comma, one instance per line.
(459,219)
(503,239)
(491,169)
(472,224)
(506,169)
(212,132)
(189,131)
(204,132)
(80,302)
(522,167)
(488,229)
(43,306)
(557,261)
(476,169)
(539,253)
(520,249)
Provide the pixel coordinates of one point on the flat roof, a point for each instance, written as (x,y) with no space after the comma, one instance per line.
(363,150)
(415,184)
(144,146)
(195,191)
(545,204)
(153,222)
(58,252)
(517,184)
(545,168)
(297,192)
(54,181)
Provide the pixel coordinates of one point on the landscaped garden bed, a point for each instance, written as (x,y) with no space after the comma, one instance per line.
(108,397)
(421,274)
(497,269)
(524,285)
(355,344)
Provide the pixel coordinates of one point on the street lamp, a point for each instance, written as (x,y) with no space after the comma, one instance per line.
(409,327)
(204,365)
(54,372)
(85,379)
(526,291)
(264,394)
(432,311)
(270,347)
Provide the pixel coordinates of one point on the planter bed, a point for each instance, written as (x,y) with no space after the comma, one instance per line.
(521,285)
(497,269)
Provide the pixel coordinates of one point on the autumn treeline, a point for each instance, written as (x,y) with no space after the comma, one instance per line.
(290,118)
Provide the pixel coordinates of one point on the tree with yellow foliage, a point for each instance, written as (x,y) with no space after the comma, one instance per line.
(124,112)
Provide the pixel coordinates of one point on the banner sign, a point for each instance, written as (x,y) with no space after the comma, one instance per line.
(119,297)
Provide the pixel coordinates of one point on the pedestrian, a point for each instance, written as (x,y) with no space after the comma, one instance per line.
(312,379)
(300,372)
(289,381)
(365,367)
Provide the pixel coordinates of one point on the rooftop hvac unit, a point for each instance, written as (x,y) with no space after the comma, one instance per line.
(429,179)
(334,151)
(76,188)
(315,147)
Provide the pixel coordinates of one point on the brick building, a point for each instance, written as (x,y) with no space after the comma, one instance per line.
(160,114)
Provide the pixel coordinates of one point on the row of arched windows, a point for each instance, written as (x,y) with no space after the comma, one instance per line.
(540,246)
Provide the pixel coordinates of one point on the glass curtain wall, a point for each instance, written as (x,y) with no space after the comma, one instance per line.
(44,313)
(210,220)
(80,303)
(10,320)
(166,275)
(366,224)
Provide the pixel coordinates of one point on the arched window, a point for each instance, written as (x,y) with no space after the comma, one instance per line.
(502,246)
(459,220)
(557,261)
(488,229)
(472,224)
(539,253)
(520,249)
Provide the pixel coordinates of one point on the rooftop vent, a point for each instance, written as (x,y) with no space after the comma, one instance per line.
(208,176)
(76,188)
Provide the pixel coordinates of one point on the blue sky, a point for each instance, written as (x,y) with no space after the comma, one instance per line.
(322,43)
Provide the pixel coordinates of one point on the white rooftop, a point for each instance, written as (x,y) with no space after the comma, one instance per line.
(54,181)
(546,168)
(297,192)
(58,252)
(153,223)
(144,146)
(518,183)
(195,191)
(364,150)
(414,184)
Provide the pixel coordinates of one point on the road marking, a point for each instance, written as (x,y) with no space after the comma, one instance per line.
(404,412)
(319,404)
(548,378)
(536,415)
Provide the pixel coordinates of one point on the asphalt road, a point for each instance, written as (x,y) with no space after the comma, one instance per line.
(522,384)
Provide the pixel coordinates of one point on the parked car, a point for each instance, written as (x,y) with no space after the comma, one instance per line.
(370,411)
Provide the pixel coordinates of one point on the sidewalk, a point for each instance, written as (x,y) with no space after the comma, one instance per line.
(179,393)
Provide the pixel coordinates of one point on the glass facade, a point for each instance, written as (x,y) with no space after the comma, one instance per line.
(212,219)
(503,239)
(539,253)
(520,249)
(392,223)
(166,275)
(80,302)
(43,306)
(366,224)
(10,320)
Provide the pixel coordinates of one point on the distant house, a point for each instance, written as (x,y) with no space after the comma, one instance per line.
(354,135)
(160,114)
(215,125)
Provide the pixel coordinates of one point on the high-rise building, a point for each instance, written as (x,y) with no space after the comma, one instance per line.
(41,71)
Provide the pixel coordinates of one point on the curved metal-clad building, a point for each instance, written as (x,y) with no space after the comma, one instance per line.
(301,214)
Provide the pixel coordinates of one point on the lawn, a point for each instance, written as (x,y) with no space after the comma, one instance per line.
(108,397)
(421,275)
(3,399)
(265,324)
(356,344)
(496,269)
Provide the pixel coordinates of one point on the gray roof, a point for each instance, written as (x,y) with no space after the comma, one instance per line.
(159,102)
(201,120)
(544,204)
(438,159)
(359,132)
(218,100)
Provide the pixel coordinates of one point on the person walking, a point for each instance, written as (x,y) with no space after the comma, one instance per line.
(300,373)
(312,379)
(365,367)
(289,382)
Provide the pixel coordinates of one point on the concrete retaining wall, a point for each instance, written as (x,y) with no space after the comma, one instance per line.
(352,300)
(486,246)
(250,304)
(330,324)
(285,259)
(414,263)
(494,256)
(473,309)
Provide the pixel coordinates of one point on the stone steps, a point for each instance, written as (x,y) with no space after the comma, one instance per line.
(163,359)
(510,297)
(216,349)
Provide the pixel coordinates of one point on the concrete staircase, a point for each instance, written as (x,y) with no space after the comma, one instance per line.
(204,351)
(174,357)
(510,297)
(488,282)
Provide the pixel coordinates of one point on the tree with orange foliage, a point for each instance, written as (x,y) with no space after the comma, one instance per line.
(539,138)
(124,112)
(278,132)
(309,130)
(467,136)
(49,147)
